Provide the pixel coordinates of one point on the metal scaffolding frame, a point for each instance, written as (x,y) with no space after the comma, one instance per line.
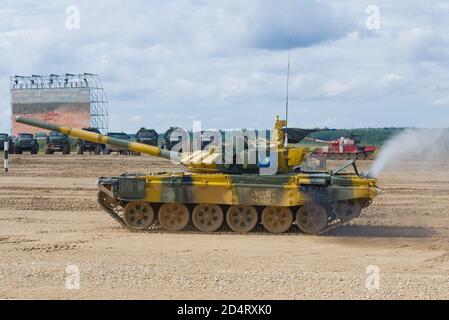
(99,110)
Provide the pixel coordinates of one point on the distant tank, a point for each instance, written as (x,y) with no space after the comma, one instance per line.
(214,195)
(344,149)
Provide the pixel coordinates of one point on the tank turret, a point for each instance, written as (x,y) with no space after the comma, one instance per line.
(275,155)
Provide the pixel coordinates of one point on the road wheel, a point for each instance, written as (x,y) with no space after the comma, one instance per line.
(277,219)
(207,217)
(311,218)
(173,216)
(138,216)
(242,218)
(79,150)
(347,210)
(97,150)
(361,156)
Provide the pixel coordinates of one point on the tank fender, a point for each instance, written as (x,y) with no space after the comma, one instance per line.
(124,188)
(108,186)
(131,188)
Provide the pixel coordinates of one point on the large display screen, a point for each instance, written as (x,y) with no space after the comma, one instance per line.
(67,106)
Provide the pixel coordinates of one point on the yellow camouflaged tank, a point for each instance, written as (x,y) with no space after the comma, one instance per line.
(215,195)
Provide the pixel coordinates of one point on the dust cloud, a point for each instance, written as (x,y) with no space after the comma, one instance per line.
(423,145)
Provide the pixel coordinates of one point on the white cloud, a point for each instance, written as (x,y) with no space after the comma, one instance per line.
(441,101)
(335,88)
(224,62)
(4,120)
(137,118)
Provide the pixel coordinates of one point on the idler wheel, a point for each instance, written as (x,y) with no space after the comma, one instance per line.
(241,218)
(277,219)
(347,210)
(311,218)
(173,216)
(103,199)
(207,217)
(138,216)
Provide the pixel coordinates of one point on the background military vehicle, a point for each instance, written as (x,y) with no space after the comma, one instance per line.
(40,136)
(12,138)
(170,140)
(208,138)
(273,191)
(89,146)
(109,148)
(3,138)
(57,142)
(175,135)
(147,136)
(344,148)
(25,142)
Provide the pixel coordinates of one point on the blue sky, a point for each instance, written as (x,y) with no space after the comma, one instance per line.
(224,62)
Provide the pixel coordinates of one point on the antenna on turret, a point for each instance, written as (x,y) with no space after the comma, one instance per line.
(287,94)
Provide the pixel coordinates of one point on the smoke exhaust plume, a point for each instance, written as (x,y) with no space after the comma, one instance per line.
(423,145)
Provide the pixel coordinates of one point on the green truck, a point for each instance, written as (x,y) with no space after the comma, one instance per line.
(57,142)
(25,142)
(89,146)
(108,149)
(3,137)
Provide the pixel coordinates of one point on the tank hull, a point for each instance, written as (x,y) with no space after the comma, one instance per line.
(288,192)
(346,152)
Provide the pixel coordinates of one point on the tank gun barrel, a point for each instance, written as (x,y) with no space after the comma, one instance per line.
(97,138)
(282,159)
(317,140)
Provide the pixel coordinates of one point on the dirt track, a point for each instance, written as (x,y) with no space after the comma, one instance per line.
(49,220)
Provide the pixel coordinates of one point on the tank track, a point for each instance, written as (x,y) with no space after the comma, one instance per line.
(114,212)
(109,208)
(333,225)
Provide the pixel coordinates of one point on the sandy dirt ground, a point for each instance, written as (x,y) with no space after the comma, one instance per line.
(49,220)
